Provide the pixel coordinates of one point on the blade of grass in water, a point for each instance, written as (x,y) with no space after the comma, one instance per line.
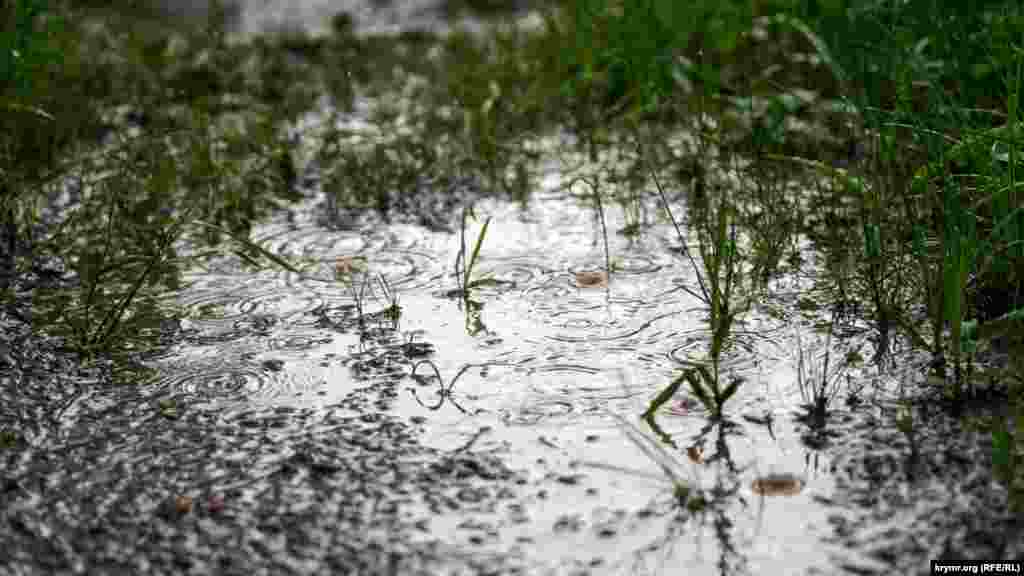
(280,261)
(476,248)
(663,397)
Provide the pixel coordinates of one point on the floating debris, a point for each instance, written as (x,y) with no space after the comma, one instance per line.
(347,266)
(593,279)
(685,406)
(183,504)
(215,503)
(777,485)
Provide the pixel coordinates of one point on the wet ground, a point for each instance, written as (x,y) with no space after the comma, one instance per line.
(292,426)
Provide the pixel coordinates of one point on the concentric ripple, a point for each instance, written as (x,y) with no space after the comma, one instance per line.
(242,381)
(637,264)
(619,334)
(551,289)
(523,271)
(537,412)
(224,311)
(317,254)
(300,341)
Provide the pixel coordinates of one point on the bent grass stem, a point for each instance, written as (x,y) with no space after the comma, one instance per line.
(445,392)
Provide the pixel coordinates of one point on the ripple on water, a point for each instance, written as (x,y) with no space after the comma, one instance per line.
(312,242)
(559,389)
(237,381)
(610,330)
(522,271)
(637,264)
(566,369)
(255,304)
(538,411)
(278,304)
(401,270)
(298,342)
(742,353)
(318,253)
(546,294)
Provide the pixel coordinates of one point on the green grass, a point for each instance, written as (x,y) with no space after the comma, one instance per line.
(818,377)
(189,173)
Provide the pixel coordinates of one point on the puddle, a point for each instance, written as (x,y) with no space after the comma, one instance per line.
(534,375)
(303,408)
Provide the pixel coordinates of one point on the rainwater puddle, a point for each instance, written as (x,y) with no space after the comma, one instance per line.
(303,428)
(545,373)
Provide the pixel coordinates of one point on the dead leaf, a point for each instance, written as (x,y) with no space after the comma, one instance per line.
(183,504)
(777,485)
(346,266)
(591,279)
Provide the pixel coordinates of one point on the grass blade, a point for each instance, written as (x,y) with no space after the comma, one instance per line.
(476,248)
(664,396)
(279,260)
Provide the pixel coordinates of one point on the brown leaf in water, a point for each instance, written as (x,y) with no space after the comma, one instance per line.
(346,266)
(777,485)
(183,504)
(696,454)
(591,279)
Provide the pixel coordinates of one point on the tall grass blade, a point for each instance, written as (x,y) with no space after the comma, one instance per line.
(15,107)
(280,261)
(663,397)
(476,248)
(694,376)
